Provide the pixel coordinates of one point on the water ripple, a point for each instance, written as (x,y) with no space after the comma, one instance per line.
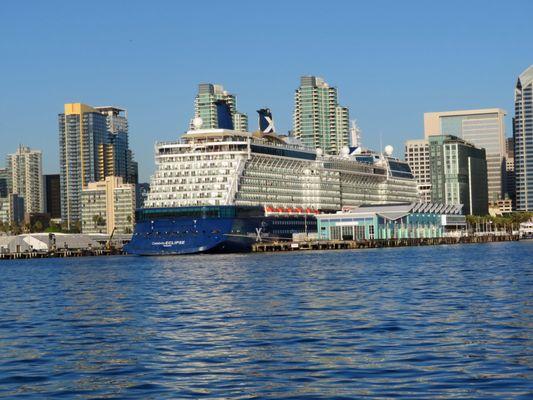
(415,323)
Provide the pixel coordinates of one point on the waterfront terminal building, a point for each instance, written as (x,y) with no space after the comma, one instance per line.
(392,221)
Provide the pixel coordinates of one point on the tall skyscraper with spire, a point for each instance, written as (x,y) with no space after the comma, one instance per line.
(523,140)
(318,120)
(205,107)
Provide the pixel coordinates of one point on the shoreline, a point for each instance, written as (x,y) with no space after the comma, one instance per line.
(269,247)
(377,243)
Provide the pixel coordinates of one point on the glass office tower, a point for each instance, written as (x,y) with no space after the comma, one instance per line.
(485,129)
(458,174)
(523,140)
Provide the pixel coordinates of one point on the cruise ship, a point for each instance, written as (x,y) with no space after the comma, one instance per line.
(221,190)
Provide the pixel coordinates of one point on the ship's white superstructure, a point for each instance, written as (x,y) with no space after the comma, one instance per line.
(227,167)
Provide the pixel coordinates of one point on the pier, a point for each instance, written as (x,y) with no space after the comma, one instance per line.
(60,245)
(59,254)
(263,247)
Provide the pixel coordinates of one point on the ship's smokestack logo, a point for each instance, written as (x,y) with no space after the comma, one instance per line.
(224,117)
(266,122)
(258,232)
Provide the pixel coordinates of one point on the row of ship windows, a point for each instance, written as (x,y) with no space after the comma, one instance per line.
(196,164)
(260,189)
(177,233)
(293,222)
(305,193)
(183,203)
(284,176)
(189,180)
(191,195)
(200,173)
(191,189)
(304,189)
(196,170)
(187,160)
(289,199)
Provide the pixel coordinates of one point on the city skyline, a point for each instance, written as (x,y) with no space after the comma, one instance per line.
(154,71)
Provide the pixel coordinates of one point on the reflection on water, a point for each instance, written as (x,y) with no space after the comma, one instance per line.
(431,322)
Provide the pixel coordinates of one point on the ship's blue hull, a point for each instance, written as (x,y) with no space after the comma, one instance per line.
(198,234)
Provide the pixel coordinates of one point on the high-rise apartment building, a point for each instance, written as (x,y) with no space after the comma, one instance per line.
(484,128)
(93,144)
(115,156)
(509,170)
(417,155)
(318,120)
(26,174)
(108,205)
(458,174)
(82,132)
(523,140)
(4,186)
(52,194)
(205,107)
(11,209)
(133,171)
(4,210)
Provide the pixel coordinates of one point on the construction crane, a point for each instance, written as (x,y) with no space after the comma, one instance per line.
(108,243)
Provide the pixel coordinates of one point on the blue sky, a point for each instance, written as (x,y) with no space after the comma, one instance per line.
(391,61)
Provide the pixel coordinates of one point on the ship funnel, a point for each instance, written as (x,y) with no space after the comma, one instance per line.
(224,115)
(266,122)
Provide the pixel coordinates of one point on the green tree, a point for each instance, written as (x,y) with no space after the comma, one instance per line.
(76,228)
(54,228)
(38,226)
(15,229)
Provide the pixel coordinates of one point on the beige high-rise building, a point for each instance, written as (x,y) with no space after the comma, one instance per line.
(417,156)
(26,178)
(108,204)
(484,128)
